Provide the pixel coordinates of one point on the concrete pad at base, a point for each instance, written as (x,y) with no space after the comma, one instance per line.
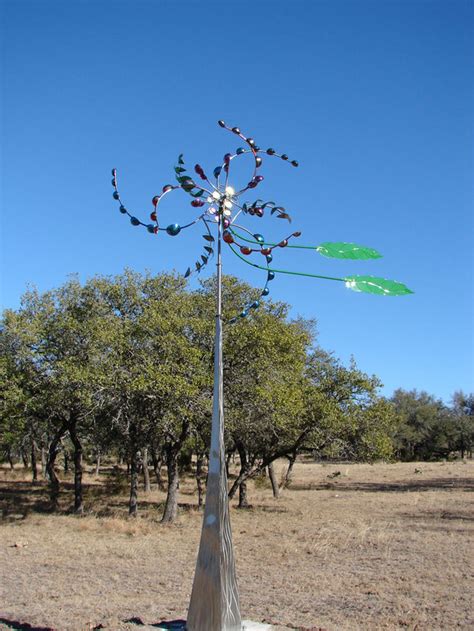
(247,625)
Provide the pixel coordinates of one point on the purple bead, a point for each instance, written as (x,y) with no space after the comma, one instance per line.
(259,178)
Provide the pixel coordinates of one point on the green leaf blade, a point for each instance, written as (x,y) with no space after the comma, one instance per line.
(378,286)
(341,250)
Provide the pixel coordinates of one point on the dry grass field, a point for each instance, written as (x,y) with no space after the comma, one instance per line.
(370,547)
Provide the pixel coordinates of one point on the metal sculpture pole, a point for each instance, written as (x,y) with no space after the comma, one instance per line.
(214,602)
(215,599)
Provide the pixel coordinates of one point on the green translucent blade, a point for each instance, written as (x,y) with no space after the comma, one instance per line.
(340,250)
(374,285)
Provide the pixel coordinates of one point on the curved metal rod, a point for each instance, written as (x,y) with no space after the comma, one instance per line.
(284,271)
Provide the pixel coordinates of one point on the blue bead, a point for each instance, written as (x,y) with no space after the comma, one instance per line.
(240,150)
(151,228)
(134,221)
(173,229)
(123,210)
(265,291)
(255,305)
(269,258)
(259,237)
(244,313)
(271,275)
(115,195)
(217,171)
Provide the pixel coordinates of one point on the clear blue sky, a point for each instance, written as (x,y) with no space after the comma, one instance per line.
(374,99)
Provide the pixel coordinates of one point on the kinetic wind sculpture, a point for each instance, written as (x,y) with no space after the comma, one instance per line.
(214,602)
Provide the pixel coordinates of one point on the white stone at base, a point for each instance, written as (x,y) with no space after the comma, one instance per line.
(248,625)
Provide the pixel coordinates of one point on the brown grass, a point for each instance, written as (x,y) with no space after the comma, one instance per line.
(376,547)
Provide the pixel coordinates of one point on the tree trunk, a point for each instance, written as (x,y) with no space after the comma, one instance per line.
(273,480)
(33,461)
(171,507)
(200,479)
(78,501)
(243,473)
(134,470)
(97,463)
(146,473)
(43,463)
(53,451)
(24,457)
(10,459)
(243,502)
(227,462)
(289,471)
(157,463)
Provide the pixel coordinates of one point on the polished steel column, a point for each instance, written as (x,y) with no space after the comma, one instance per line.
(214,602)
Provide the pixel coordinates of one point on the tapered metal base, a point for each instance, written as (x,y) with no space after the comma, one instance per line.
(214,602)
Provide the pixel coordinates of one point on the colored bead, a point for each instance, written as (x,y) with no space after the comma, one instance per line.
(226,222)
(252,184)
(244,313)
(294,163)
(271,151)
(255,305)
(296,234)
(153,216)
(197,203)
(251,141)
(283,243)
(259,238)
(114,172)
(123,209)
(134,221)
(236,130)
(245,250)
(259,212)
(151,228)
(240,150)
(173,229)
(265,291)
(259,178)
(271,275)
(227,158)
(284,156)
(269,258)
(217,171)
(258,161)
(227,236)
(221,123)
(115,195)
(167,188)
(265,251)
(256,148)
(114,182)
(155,200)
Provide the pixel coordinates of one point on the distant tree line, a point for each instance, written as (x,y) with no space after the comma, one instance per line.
(120,368)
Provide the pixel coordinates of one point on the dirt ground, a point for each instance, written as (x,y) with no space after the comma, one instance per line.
(347,547)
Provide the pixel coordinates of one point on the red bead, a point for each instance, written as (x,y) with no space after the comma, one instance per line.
(226,222)
(227,236)
(296,234)
(155,229)
(283,243)
(245,250)
(153,216)
(167,188)
(259,212)
(155,200)
(265,251)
